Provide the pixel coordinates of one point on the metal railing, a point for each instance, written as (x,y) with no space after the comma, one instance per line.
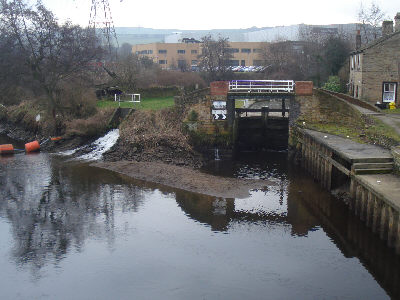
(262,86)
(135,98)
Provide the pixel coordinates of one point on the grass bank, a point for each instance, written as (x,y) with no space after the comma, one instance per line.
(156,103)
(368,130)
(391,111)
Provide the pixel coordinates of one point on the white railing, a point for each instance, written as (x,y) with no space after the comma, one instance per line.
(262,86)
(134,98)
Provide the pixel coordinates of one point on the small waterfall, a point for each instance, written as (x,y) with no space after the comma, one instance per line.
(95,150)
(216,154)
(101,145)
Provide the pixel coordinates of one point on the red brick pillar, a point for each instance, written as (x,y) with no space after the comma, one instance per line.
(219,88)
(304,88)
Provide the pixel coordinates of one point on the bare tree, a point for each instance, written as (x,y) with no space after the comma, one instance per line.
(215,56)
(125,49)
(370,19)
(133,72)
(49,54)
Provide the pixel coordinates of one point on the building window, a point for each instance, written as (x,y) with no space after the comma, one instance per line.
(193,51)
(352,62)
(162,62)
(246,50)
(257,50)
(232,50)
(144,52)
(243,63)
(181,51)
(389,91)
(233,63)
(162,51)
(181,63)
(194,62)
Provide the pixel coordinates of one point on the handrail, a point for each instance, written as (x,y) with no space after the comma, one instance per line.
(271,86)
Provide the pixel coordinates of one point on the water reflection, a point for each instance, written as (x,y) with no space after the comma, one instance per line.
(55,209)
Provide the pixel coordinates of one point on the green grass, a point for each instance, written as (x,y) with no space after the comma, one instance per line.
(145,104)
(391,111)
(239,103)
(339,130)
(378,133)
(381,129)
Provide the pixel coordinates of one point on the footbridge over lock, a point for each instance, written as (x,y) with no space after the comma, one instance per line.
(258,111)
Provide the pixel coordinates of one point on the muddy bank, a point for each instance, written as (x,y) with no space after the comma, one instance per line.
(185,178)
(123,150)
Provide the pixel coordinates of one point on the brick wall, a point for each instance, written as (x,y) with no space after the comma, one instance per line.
(304,88)
(219,88)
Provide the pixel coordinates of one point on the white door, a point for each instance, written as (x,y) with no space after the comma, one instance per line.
(389,92)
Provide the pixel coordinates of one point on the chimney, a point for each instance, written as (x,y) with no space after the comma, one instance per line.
(397,22)
(387,27)
(358,40)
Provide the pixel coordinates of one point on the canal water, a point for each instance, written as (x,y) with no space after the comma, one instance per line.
(71,231)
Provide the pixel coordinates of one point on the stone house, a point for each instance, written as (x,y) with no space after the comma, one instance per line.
(375,68)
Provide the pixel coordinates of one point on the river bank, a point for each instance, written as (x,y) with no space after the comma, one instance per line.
(186,178)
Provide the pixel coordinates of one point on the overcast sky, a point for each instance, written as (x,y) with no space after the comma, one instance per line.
(219,14)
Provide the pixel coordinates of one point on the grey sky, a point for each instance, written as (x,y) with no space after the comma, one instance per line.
(208,14)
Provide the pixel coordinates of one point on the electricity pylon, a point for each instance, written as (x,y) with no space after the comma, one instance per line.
(101,21)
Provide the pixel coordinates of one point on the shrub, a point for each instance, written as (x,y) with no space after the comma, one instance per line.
(333,84)
(151,129)
(77,99)
(193,116)
(93,126)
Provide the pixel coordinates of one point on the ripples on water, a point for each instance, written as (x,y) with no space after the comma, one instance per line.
(70,231)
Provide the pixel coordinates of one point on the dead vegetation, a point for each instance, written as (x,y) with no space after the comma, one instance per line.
(154,136)
(150,129)
(90,127)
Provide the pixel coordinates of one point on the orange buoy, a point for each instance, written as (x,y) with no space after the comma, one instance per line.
(32,146)
(6,149)
(58,138)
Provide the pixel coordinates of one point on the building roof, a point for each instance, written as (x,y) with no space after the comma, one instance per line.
(376,42)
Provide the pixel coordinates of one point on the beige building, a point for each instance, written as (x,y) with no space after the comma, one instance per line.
(375,68)
(186,54)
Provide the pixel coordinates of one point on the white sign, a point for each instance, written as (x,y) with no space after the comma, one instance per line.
(219,114)
(219,110)
(219,104)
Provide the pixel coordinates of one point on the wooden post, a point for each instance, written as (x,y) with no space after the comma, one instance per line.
(364,200)
(370,206)
(384,222)
(376,217)
(392,226)
(397,245)
(358,200)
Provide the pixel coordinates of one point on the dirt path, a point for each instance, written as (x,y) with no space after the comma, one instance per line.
(185,178)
